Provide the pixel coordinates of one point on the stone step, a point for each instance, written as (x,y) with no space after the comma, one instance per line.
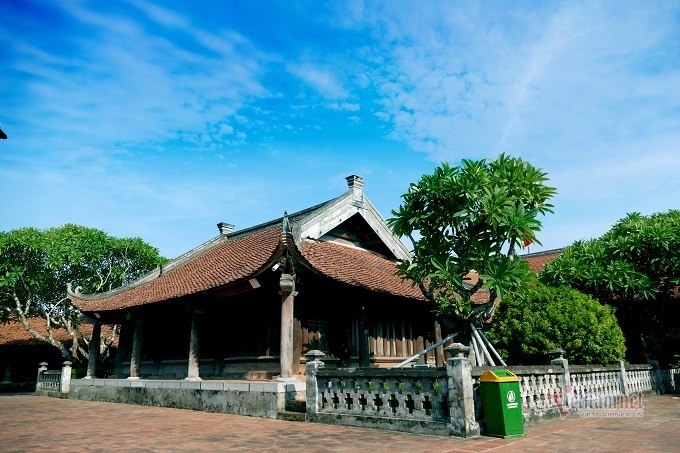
(291,416)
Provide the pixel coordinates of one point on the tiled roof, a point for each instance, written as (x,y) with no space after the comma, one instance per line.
(14,333)
(537,261)
(226,262)
(359,268)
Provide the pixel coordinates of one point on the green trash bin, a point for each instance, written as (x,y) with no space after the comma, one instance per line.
(502,403)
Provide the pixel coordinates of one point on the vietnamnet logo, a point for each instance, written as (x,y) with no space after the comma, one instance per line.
(591,405)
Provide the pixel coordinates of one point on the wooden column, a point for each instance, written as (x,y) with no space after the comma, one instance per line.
(364,352)
(123,352)
(288,294)
(93,355)
(136,356)
(439,350)
(7,373)
(297,343)
(193,373)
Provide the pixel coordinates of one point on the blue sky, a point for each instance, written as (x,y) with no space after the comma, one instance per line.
(161,119)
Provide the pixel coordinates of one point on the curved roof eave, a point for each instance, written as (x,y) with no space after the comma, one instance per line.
(225,262)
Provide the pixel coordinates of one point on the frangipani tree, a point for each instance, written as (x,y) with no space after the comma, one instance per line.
(36,265)
(471,219)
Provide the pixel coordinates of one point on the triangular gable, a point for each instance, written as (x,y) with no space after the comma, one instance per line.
(341,210)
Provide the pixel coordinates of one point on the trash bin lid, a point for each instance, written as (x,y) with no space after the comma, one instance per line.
(498,376)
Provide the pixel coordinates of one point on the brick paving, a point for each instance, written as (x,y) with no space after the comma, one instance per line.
(31,423)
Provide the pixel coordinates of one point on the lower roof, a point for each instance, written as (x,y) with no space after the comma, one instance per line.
(14,333)
(227,262)
(358,268)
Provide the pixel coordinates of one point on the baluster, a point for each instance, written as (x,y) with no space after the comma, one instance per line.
(526,390)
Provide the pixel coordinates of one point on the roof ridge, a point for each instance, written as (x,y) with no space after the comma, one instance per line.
(272,223)
(542,252)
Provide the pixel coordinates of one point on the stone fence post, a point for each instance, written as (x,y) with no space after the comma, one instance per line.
(658,380)
(461,399)
(43,367)
(312,385)
(557,359)
(66,377)
(624,378)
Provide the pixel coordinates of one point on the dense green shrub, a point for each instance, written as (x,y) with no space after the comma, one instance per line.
(634,267)
(536,319)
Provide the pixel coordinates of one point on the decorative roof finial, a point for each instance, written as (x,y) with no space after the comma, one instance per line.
(355,182)
(356,187)
(286,222)
(225,228)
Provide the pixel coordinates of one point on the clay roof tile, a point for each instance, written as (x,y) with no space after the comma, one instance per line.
(225,263)
(359,268)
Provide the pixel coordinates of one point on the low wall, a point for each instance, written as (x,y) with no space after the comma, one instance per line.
(17,387)
(258,399)
(549,391)
(419,400)
(448,400)
(411,400)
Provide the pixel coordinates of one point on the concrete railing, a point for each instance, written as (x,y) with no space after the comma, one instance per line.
(58,381)
(427,401)
(409,393)
(559,388)
(448,400)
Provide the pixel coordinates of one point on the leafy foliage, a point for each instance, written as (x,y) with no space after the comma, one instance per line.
(36,265)
(471,218)
(639,258)
(538,318)
(633,264)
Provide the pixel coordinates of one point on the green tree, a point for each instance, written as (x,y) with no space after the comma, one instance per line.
(635,267)
(471,218)
(36,265)
(538,318)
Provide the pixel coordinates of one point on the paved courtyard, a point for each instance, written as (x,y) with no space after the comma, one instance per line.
(31,423)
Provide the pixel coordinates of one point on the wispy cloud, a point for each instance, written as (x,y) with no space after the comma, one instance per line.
(469,81)
(138,86)
(156,116)
(324,81)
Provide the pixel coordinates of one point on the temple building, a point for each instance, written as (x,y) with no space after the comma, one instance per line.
(250,303)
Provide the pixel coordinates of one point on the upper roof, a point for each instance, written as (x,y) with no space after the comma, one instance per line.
(325,238)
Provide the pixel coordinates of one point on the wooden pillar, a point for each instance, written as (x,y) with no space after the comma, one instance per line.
(93,354)
(439,350)
(123,351)
(288,294)
(7,373)
(193,373)
(364,352)
(297,344)
(136,356)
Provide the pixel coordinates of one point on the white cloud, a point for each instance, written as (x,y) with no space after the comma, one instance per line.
(324,81)
(125,85)
(346,106)
(469,81)
(225,129)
